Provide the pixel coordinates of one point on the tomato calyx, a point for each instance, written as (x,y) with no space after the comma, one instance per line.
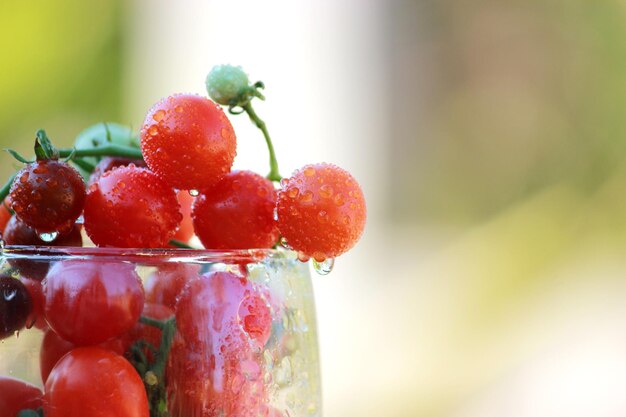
(152,371)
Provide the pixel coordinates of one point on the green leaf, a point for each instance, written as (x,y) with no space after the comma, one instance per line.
(17,156)
(44,148)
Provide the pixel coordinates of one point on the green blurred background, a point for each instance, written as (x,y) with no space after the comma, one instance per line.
(490,140)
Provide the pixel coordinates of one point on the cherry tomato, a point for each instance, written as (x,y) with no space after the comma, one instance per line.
(321,211)
(223,317)
(89,302)
(16,395)
(37,317)
(94,382)
(19,233)
(54,347)
(164,285)
(48,195)
(15,306)
(237,213)
(131,207)
(5,215)
(185,230)
(109,162)
(188,141)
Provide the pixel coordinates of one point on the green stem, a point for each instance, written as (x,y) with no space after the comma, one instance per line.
(4,191)
(106,150)
(274,174)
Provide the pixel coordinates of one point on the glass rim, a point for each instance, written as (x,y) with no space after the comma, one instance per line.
(140,255)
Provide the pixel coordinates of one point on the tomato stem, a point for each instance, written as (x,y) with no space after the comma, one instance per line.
(4,191)
(274,174)
(106,150)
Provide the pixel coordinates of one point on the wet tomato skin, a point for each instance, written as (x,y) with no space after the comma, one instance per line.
(185,230)
(48,195)
(54,347)
(19,233)
(237,213)
(165,284)
(188,141)
(90,302)
(107,163)
(94,382)
(16,395)
(130,207)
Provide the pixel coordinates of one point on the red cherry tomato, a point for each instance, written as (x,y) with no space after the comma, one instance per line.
(48,195)
(89,302)
(131,207)
(5,215)
(19,233)
(37,317)
(185,230)
(16,395)
(321,211)
(188,141)
(237,213)
(54,347)
(164,285)
(94,382)
(223,317)
(109,162)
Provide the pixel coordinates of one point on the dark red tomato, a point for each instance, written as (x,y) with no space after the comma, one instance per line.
(109,162)
(188,141)
(37,316)
(19,233)
(16,395)
(48,195)
(146,332)
(185,230)
(237,213)
(164,285)
(54,347)
(131,207)
(15,306)
(89,302)
(223,317)
(94,382)
(321,211)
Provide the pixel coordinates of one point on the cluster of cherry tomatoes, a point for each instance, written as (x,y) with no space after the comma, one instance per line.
(188,143)
(205,331)
(101,325)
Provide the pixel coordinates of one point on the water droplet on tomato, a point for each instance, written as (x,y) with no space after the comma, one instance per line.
(309,171)
(325,267)
(48,237)
(194,193)
(178,109)
(159,115)
(284,243)
(153,130)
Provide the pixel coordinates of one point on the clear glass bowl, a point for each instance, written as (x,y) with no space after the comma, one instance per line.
(245,339)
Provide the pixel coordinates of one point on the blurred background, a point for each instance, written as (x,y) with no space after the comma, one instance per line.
(490,140)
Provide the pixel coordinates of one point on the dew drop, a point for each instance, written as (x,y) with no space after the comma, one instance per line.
(276,213)
(284,182)
(178,109)
(306,197)
(194,193)
(48,237)
(309,171)
(159,115)
(284,243)
(9,295)
(293,193)
(325,267)
(153,130)
(326,191)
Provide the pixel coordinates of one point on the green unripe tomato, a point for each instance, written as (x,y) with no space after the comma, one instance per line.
(225,83)
(96,135)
